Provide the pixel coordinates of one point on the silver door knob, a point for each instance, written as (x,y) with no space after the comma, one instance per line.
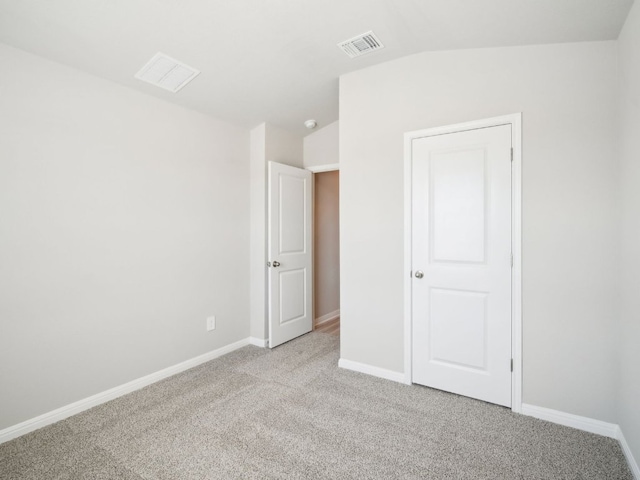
(276,264)
(419,274)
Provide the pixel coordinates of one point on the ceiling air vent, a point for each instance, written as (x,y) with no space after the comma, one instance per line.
(364,43)
(165,72)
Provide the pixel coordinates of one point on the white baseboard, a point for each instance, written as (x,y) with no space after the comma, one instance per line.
(633,465)
(327,318)
(102,397)
(587,424)
(374,371)
(569,420)
(258,342)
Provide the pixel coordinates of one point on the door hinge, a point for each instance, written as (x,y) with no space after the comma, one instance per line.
(512,260)
(512,154)
(512,364)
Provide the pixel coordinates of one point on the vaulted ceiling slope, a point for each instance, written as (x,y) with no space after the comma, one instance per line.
(277,60)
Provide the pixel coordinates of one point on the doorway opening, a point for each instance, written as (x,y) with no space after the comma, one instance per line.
(303,270)
(326,253)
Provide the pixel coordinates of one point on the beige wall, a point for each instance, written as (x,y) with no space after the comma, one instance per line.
(124,224)
(567,96)
(629,379)
(326,264)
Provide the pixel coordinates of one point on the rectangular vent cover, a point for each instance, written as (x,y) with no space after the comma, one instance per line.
(165,72)
(364,43)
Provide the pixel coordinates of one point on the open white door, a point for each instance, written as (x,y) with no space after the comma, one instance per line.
(461,262)
(289,253)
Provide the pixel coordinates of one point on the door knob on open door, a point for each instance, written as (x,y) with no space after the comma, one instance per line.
(419,274)
(276,264)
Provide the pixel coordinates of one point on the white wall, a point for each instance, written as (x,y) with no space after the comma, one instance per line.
(258,233)
(124,224)
(567,96)
(268,144)
(283,146)
(326,244)
(322,147)
(629,379)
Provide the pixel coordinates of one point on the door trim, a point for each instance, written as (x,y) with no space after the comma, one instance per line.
(515,120)
(329,167)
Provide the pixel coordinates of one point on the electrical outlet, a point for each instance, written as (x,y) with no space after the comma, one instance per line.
(211,323)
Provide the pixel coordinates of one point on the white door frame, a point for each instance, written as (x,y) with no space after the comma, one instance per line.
(329,167)
(515,120)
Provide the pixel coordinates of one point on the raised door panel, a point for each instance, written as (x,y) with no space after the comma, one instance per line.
(458,206)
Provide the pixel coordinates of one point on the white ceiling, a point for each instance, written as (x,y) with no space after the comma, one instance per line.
(277,60)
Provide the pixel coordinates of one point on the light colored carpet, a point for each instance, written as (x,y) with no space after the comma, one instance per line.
(291,413)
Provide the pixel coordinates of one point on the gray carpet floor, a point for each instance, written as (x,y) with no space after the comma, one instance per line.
(292,413)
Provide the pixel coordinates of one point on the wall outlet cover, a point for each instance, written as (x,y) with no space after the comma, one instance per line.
(211,323)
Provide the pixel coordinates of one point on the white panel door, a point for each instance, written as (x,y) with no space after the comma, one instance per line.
(289,253)
(461,263)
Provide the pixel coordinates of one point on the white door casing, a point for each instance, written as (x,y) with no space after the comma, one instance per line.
(289,253)
(461,248)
